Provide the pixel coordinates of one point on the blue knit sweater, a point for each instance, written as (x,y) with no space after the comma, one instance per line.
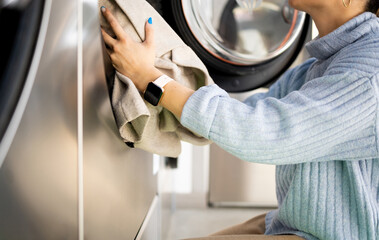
(319,124)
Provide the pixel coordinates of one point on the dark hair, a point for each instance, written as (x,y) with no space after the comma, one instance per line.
(373,6)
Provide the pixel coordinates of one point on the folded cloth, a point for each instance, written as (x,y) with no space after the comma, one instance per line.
(150,128)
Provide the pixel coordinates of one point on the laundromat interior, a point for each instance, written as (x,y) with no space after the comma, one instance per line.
(65,171)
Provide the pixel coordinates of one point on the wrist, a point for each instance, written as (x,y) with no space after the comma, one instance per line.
(152,75)
(155,90)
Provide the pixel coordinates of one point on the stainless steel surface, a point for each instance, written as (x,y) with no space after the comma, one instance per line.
(15,119)
(150,229)
(249,4)
(14,3)
(234,182)
(119,185)
(237,35)
(38,181)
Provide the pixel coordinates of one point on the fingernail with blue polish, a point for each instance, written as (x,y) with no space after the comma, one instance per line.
(102,8)
(150,21)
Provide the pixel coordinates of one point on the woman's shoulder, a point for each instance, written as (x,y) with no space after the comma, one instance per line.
(361,56)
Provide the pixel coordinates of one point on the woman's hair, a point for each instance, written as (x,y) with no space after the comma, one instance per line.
(373,6)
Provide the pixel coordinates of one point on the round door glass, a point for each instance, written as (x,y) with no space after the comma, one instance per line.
(243,34)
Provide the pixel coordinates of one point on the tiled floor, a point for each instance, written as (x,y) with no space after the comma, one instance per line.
(186,223)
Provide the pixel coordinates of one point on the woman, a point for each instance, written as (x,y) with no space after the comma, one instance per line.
(317,123)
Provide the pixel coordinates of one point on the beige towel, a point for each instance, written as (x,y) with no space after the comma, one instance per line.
(153,129)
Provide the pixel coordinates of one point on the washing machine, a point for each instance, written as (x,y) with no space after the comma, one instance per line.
(246,45)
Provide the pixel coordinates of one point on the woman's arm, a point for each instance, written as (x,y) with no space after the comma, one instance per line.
(328,118)
(136,61)
(174,97)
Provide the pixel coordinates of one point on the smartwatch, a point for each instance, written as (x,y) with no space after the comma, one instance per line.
(154,90)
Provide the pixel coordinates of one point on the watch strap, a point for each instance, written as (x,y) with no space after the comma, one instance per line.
(162,81)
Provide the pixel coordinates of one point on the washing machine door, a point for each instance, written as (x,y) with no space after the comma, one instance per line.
(20,23)
(244,43)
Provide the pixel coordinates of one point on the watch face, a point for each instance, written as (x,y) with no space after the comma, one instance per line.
(153,94)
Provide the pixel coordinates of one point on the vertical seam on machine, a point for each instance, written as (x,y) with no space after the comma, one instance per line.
(80,121)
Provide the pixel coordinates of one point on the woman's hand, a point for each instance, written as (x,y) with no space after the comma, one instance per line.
(136,61)
(132,59)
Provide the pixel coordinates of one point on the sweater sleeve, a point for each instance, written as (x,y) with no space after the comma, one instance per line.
(328,118)
(291,80)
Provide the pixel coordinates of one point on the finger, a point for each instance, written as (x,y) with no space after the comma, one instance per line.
(117,29)
(113,58)
(149,33)
(109,41)
(109,51)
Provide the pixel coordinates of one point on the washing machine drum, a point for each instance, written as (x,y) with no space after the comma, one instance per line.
(242,48)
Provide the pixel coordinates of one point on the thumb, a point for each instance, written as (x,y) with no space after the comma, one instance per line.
(149,33)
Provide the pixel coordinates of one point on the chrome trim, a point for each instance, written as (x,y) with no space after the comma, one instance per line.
(14,3)
(148,222)
(21,105)
(204,31)
(245,204)
(80,122)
